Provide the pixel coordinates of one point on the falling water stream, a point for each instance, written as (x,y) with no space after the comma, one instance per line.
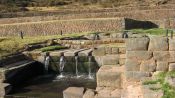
(76,63)
(89,71)
(61,66)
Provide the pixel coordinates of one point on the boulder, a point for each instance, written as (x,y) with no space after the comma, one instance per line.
(109,76)
(172,44)
(139,55)
(158,44)
(132,65)
(73,92)
(89,94)
(162,66)
(172,67)
(148,66)
(133,44)
(161,55)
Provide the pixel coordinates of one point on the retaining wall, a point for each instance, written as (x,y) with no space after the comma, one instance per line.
(157,14)
(147,55)
(55,27)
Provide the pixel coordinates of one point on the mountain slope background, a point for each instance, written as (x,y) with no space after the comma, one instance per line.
(21,5)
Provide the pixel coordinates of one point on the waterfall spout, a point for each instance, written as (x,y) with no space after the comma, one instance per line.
(76,63)
(89,70)
(61,66)
(46,63)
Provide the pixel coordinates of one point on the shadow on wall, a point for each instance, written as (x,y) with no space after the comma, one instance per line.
(137,24)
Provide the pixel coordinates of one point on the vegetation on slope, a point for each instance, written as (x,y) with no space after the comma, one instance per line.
(10,45)
(19,5)
(154,31)
(169,91)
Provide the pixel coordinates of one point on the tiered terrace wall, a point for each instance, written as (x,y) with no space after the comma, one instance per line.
(55,27)
(84,22)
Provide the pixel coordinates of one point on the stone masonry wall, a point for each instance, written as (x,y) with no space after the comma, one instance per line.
(147,55)
(55,27)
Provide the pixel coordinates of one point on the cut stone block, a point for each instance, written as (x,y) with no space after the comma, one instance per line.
(139,55)
(115,50)
(41,59)
(110,60)
(122,50)
(161,55)
(99,51)
(73,92)
(108,76)
(148,66)
(136,76)
(2,74)
(122,61)
(172,67)
(133,44)
(158,44)
(162,66)
(132,65)
(5,89)
(108,93)
(172,56)
(172,44)
(85,52)
(89,94)
(108,50)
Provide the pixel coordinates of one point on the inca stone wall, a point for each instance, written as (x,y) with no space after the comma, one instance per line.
(55,27)
(147,55)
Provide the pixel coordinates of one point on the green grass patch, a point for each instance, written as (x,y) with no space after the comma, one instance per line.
(169,92)
(154,31)
(150,82)
(155,89)
(10,45)
(52,48)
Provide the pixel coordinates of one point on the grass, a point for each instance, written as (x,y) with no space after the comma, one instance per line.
(10,45)
(154,31)
(150,82)
(51,48)
(169,92)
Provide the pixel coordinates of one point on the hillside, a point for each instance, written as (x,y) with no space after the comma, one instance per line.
(7,6)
